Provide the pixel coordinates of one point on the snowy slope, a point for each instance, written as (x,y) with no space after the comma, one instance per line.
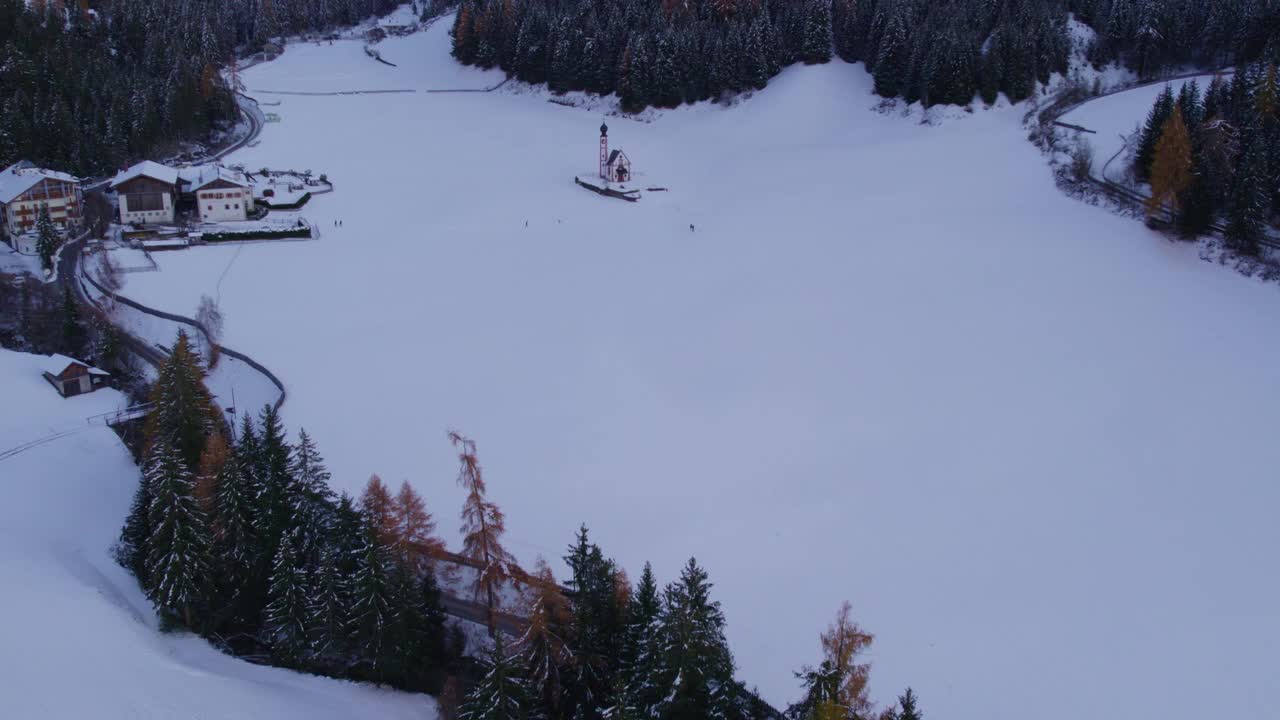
(77,638)
(1031,441)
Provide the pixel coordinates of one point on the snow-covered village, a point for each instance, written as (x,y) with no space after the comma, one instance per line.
(639,359)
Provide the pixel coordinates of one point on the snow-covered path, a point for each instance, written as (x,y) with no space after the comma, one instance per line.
(1032,442)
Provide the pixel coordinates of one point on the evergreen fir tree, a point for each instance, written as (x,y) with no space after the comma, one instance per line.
(312,498)
(1247,205)
(285,619)
(1191,106)
(72,336)
(328,614)
(597,625)
(641,650)
(892,62)
(907,709)
(817,32)
(279,498)
(1156,119)
(47,239)
(178,549)
(184,414)
(501,695)
(373,609)
(694,666)
(430,655)
(135,536)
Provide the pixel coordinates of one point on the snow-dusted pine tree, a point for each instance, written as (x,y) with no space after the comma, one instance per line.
(694,667)
(135,536)
(184,414)
(178,550)
(373,608)
(1246,206)
(907,706)
(641,649)
(597,625)
(502,694)
(285,620)
(312,498)
(1151,132)
(328,614)
(47,240)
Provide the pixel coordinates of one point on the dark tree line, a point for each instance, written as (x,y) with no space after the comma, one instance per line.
(1151,36)
(246,544)
(87,91)
(1213,155)
(650,52)
(665,52)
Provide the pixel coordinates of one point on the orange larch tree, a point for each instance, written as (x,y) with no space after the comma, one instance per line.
(416,542)
(483,525)
(379,508)
(842,644)
(212,460)
(1171,168)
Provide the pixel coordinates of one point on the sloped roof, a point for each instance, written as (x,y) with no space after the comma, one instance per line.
(22,176)
(55,364)
(613,156)
(148,169)
(198,176)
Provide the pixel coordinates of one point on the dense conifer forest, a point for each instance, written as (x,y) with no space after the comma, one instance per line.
(665,52)
(88,88)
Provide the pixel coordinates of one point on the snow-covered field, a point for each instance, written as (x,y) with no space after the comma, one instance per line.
(77,638)
(1031,441)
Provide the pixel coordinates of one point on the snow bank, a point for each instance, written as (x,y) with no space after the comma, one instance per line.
(71,615)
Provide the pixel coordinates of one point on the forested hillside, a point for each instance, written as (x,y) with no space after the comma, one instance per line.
(88,89)
(664,52)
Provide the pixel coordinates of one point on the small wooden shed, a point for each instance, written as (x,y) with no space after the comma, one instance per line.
(71,377)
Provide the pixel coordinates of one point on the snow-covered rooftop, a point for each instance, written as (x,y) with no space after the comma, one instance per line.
(55,364)
(22,176)
(149,169)
(197,176)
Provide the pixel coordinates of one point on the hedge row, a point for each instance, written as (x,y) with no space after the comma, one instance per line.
(297,232)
